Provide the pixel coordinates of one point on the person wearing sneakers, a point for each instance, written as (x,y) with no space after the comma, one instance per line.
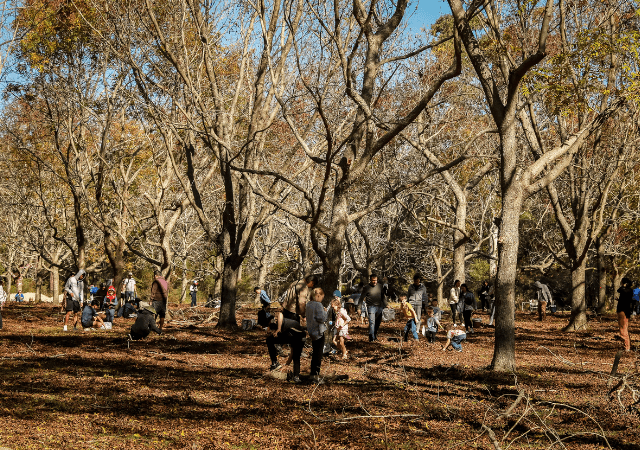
(342,320)
(455,336)
(90,318)
(74,294)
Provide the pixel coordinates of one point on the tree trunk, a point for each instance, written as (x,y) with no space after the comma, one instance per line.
(602,277)
(578,320)
(39,281)
(504,355)
(55,284)
(437,261)
(185,284)
(459,241)
(228,296)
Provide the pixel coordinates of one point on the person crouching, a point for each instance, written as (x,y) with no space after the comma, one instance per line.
(90,318)
(145,323)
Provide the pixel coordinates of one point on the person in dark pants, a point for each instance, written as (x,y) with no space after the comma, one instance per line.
(372,293)
(483,295)
(145,323)
(194,292)
(292,333)
(467,306)
(159,296)
(316,318)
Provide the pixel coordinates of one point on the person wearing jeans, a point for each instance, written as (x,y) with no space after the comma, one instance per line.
(373,294)
(375,318)
(417,293)
(409,314)
(455,337)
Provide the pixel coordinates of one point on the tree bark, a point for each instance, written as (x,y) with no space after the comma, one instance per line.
(55,284)
(228,296)
(602,277)
(459,241)
(504,354)
(578,320)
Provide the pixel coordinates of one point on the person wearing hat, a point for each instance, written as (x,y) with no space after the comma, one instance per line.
(145,323)
(194,291)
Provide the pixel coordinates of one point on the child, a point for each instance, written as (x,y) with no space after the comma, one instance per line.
(316,317)
(437,312)
(90,318)
(454,337)
(409,313)
(431,323)
(110,301)
(342,327)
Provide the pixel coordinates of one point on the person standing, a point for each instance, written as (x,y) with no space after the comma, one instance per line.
(544,297)
(374,296)
(294,300)
(454,296)
(624,310)
(316,317)
(416,294)
(129,286)
(159,296)
(483,295)
(409,315)
(194,292)
(74,293)
(467,306)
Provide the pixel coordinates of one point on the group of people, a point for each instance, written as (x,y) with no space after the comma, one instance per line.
(302,312)
(105,301)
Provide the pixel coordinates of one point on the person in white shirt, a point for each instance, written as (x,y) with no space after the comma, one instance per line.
(194,291)
(454,296)
(129,285)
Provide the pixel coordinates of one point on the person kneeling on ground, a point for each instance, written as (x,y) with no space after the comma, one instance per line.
(292,333)
(145,323)
(90,318)
(454,337)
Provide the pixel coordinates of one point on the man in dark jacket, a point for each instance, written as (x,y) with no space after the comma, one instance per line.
(417,291)
(373,294)
(145,324)
(292,333)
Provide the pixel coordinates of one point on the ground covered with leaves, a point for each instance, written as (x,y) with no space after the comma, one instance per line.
(197,387)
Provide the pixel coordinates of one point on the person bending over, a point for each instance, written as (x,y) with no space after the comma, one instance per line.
(145,323)
(292,333)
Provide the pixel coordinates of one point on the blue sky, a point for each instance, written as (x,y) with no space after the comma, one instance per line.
(427,13)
